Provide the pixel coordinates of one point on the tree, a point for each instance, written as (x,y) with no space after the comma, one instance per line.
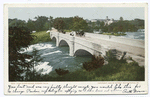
(39,23)
(19,37)
(51,22)
(94,25)
(139,23)
(103,27)
(110,29)
(120,28)
(46,26)
(79,24)
(17,23)
(68,22)
(121,18)
(34,61)
(98,24)
(102,24)
(59,24)
(115,29)
(123,26)
(31,25)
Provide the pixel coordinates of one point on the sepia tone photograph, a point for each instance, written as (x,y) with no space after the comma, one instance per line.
(76,43)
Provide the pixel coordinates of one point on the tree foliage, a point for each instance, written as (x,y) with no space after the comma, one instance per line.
(72,23)
(15,22)
(46,26)
(34,61)
(59,24)
(40,21)
(31,25)
(122,26)
(19,37)
(121,18)
(139,23)
(79,24)
(51,21)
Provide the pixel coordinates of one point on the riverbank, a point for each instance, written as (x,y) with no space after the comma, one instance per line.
(114,71)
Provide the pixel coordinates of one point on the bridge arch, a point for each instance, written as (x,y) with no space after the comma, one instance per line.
(63,43)
(53,38)
(82,52)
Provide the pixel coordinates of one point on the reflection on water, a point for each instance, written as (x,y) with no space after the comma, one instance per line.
(55,58)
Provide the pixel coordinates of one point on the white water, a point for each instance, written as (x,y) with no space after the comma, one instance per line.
(55,58)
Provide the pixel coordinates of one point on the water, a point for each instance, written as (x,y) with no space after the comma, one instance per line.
(55,58)
(134,35)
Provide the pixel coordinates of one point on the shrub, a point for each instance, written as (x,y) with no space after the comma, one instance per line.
(134,63)
(61,71)
(96,62)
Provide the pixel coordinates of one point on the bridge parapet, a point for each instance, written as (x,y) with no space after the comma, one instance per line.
(99,44)
(97,48)
(127,41)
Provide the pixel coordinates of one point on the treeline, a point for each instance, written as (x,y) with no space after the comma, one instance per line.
(125,26)
(118,26)
(42,23)
(72,23)
(39,23)
(76,23)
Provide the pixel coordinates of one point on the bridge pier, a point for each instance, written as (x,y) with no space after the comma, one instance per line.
(57,40)
(71,53)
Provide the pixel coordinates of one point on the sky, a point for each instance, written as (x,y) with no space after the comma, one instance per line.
(128,13)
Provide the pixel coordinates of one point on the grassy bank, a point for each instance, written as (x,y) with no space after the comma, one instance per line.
(114,71)
(67,30)
(115,34)
(41,36)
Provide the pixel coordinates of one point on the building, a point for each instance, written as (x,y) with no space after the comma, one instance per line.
(108,21)
(94,20)
(87,20)
(101,20)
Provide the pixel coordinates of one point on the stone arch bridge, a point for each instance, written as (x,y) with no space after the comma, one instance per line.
(97,44)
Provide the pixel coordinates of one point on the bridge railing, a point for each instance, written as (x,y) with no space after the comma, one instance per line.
(127,41)
(64,35)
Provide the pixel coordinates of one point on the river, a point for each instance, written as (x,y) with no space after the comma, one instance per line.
(134,35)
(58,57)
(55,58)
